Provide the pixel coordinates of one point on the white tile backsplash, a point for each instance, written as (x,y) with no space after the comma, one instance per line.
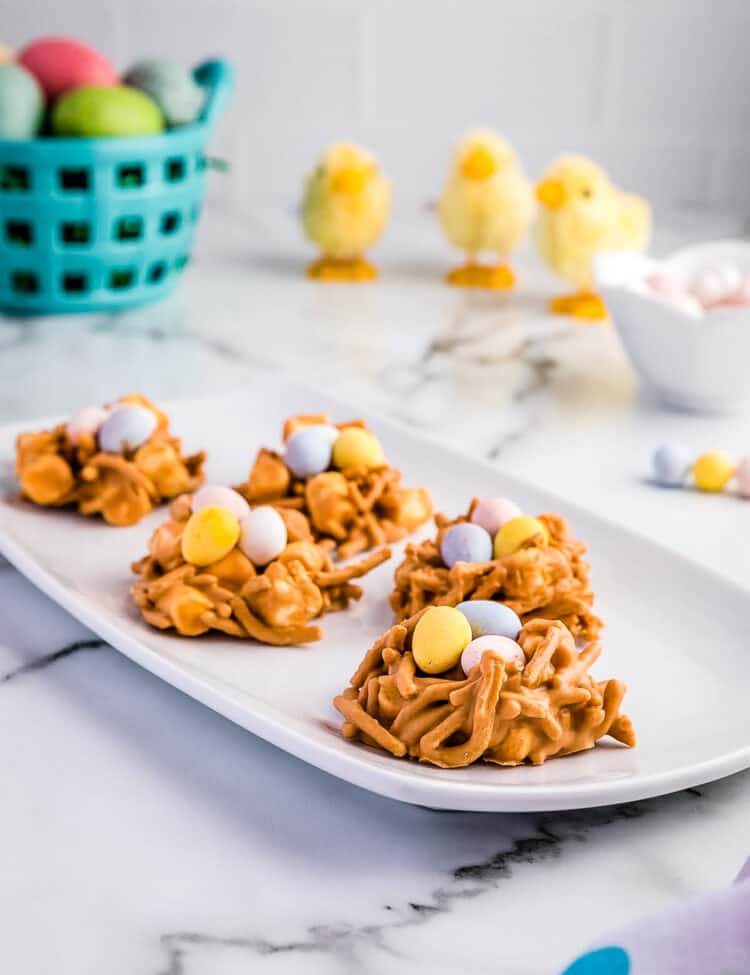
(657,91)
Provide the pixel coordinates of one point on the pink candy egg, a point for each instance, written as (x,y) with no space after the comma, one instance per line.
(86,421)
(492,513)
(742,474)
(503,646)
(663,284)
(218,496)
(61,63)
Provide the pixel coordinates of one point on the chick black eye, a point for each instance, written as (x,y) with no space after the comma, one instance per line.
(586,193)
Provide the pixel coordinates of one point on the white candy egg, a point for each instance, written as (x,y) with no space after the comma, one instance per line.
(503,646)
(126,428)
(731,278)
(86,421)
(262,535)
(218,496)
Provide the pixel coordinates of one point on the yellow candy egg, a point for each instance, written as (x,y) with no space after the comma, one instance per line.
(440,637)
(516,532)
(355,447)
(210,534)
(713,470)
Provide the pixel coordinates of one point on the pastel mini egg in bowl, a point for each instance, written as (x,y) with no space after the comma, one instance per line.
(690,360)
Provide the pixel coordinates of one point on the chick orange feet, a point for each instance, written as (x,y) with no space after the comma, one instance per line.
(498,277)
(341,269)
(583,304)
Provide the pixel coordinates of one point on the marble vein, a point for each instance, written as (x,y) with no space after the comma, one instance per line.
(40,663)
(347,943)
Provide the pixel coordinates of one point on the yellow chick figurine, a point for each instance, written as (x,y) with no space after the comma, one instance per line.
(584,213)
(487,205)
(345,208)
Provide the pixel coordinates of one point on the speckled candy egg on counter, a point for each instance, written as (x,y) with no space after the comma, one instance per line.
(216,495)
(465,543)
(439,639)
(263,535)
(671,465)
(486,616)
(713,470)
(309,451)
(743,477)
(95,111)
(62,63)
(503,646)
(172,88)
(21,103)
(126,428)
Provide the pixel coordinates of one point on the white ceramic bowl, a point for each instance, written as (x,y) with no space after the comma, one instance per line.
(700,364)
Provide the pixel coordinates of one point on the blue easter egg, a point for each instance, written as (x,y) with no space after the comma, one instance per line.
(126,428)
(671,465)
(466,542)
(603,961)
(308,451)
(487,618)
(21,103)
(172,88)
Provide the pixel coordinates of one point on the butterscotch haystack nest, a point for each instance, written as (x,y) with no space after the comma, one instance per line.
(499,713)
(275,604)
(56,471)
(549,581)
(354,509)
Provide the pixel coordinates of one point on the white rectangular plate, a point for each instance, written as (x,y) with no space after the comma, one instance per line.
(676,633)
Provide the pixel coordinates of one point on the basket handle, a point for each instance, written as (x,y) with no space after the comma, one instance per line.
(217,77)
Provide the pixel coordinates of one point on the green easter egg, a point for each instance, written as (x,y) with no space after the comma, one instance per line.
(94,111)
(21,103)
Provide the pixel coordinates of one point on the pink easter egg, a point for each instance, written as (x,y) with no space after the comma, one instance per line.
(86,421)
(742,474)
(503,646)
(62,63)
(742,295)
(492,513)
(219,496)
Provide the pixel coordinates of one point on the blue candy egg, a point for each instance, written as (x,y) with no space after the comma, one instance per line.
(671,465)
(172,88)
(308,451)
(126,428)
(466,542)
(487,618)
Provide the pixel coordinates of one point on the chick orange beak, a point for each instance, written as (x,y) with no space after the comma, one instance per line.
(551,193)
(478,164)
(349,179)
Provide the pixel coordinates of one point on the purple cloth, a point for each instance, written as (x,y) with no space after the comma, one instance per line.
(706,936)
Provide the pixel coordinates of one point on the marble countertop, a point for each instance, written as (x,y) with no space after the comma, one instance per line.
(145,835)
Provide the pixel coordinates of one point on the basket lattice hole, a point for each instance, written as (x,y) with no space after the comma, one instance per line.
(14,178)
(24,282)
(122,278)
(170,222)
(174,170)
(180,262)
(19,233)
(75,282)
(75,233)
(74,180)
(156,272)
(129,228)
(130,176)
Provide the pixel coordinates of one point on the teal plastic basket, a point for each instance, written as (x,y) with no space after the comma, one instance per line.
(103,224)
